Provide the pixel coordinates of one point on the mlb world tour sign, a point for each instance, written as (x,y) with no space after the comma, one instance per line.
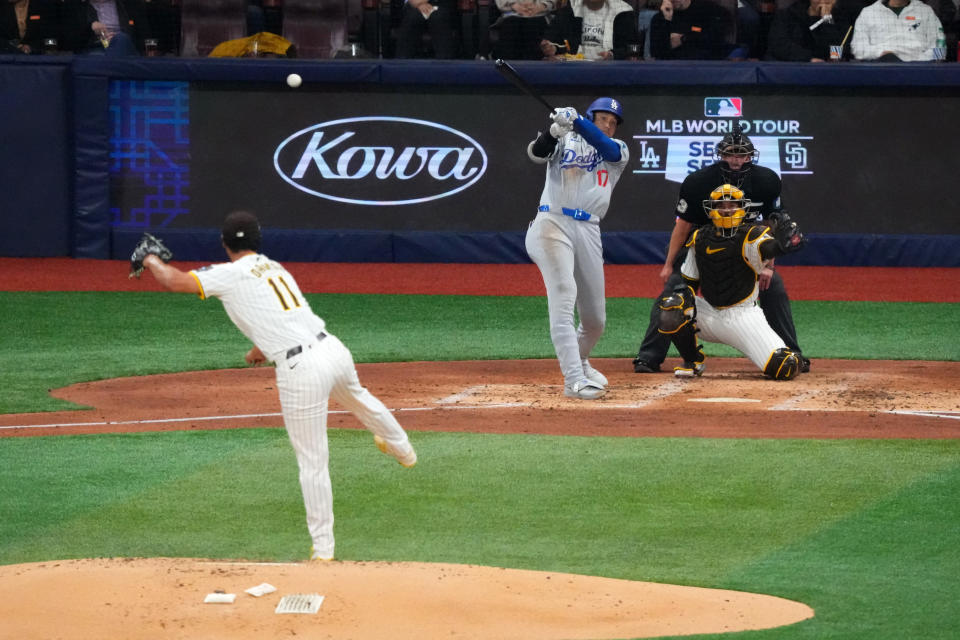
(676,147)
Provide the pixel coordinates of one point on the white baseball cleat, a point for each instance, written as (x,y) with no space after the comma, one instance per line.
(593,375)
(584,390)
(406,459)
(689,369)
(316,556)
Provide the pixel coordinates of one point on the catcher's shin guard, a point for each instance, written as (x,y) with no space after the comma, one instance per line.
(783,364)
(677,310)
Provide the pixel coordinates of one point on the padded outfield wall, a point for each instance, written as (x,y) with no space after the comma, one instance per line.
(424,161)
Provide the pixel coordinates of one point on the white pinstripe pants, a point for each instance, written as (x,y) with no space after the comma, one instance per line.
(742,327)
(305,382)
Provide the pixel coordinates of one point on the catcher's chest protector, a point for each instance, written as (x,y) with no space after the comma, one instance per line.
(726,278)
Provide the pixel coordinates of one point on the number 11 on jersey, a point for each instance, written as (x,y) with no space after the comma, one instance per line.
(283,300)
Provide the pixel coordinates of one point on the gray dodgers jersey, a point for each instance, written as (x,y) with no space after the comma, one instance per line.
(577,177)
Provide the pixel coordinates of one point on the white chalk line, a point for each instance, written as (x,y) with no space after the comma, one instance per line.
(252,564)
(950,415)
(662,391)
(56,425)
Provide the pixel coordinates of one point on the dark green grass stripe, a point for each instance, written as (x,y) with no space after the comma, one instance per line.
(51,340)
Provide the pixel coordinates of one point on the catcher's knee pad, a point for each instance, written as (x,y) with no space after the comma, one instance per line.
(783,364)
(677,310)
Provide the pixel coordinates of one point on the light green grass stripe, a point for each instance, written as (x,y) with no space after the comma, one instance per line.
(887,570)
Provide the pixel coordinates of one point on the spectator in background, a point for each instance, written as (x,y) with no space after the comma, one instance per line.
(691,30)
(421,16)
(521,26)
(108,27)
(164,21)
(645,13)
(595,29)
(749,25)
(896,31)
(949,15)
(804,31)
(25,24)
(256,17)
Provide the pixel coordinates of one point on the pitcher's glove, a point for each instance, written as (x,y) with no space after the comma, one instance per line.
(786,232)
(148,244)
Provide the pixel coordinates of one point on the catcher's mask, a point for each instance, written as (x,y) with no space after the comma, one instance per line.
(726,208)
(735,143)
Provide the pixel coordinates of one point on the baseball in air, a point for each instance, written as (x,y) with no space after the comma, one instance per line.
(294,80)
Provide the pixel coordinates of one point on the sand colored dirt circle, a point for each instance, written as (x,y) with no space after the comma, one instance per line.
(164,598)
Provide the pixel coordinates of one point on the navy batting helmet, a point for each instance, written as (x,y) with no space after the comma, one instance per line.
(606,104)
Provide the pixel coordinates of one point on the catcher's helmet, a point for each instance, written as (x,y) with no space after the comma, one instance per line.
(736,143)
(726,207)
(606,104)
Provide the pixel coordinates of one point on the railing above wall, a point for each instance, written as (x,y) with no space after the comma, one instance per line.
(482,72)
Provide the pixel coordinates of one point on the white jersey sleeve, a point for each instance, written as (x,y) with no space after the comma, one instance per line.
(263,301)
(689,268)
(751,250)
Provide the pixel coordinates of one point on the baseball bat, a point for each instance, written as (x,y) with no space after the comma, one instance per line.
(511,74)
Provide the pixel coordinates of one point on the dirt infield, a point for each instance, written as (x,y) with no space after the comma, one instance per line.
(838,399)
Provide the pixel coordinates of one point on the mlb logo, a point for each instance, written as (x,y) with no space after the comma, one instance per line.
(723,107)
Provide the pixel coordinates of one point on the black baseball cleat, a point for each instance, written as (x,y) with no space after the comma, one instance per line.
(642,366)
(804,365)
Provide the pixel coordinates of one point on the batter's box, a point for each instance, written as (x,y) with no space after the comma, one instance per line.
(491,396)
(545,396)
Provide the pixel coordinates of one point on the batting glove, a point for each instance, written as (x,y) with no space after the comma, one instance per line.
(564,116)
(559,130)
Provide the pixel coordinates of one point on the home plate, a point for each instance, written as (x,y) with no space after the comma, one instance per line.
(722,400)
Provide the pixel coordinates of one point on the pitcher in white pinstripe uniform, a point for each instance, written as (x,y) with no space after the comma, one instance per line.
(312,365)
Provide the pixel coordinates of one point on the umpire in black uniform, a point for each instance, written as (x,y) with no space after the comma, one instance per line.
(736,164)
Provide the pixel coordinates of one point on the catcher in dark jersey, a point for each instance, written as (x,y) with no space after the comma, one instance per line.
(735,164)
(724,261)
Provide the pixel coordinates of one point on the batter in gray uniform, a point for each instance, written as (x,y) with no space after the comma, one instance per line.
(584,163)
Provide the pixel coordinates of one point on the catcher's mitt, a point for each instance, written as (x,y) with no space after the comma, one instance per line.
(786,232)
(148,244)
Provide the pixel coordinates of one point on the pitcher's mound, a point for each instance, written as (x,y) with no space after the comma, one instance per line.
(164,598)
